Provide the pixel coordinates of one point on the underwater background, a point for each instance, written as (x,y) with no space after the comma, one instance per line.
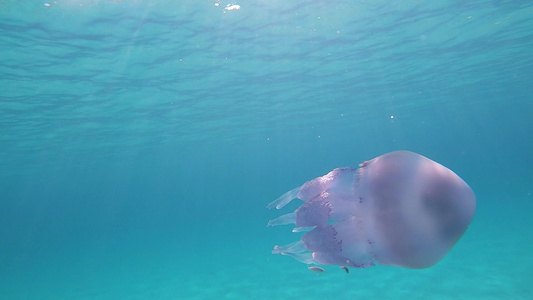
(140,141)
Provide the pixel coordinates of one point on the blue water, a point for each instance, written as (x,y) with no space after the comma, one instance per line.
(140,141)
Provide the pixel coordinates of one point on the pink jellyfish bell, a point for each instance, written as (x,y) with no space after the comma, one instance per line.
(400,209)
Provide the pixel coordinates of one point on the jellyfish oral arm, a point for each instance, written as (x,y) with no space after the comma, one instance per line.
(284,199)
(283,220)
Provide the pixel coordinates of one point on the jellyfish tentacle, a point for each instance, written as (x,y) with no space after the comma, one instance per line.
(283,220)
(297,250)
(302,229)
(284,199)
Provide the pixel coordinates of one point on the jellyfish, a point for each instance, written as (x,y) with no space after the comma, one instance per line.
(399,209)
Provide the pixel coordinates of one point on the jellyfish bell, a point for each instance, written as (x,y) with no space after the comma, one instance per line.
(399,209)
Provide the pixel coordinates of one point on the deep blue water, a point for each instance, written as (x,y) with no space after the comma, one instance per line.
(140,141)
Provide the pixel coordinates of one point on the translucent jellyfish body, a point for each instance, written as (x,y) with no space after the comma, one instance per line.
(399,209)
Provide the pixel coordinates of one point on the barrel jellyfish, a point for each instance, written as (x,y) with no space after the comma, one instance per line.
(400,209)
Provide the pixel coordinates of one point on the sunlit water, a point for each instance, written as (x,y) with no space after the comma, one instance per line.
(140,141)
